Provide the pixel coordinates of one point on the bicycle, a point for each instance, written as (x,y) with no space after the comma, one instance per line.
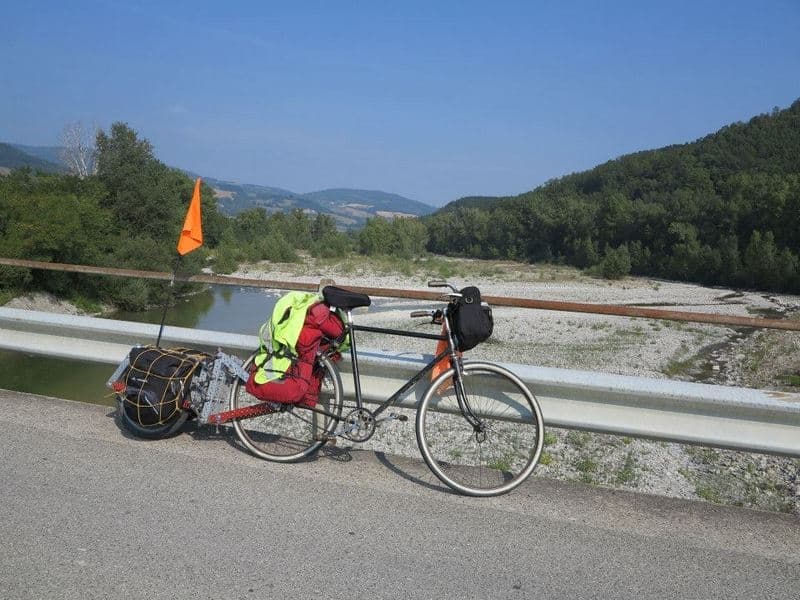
(478,427)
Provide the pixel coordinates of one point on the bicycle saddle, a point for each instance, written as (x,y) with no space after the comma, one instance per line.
(345,299)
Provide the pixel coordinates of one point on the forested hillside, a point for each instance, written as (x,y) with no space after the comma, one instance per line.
(129,215)
(12,157)
(724,209)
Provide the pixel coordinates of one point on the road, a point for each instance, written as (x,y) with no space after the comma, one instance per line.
(89,512)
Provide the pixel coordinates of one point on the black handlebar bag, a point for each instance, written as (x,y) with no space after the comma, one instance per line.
(471,321)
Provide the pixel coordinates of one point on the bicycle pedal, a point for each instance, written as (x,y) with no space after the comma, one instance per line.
(395,417)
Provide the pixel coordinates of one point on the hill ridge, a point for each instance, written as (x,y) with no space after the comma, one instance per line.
(350,207)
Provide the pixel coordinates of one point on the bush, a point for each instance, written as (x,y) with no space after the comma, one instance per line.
(616,262)
(129,294)
(227,259)
(332,245)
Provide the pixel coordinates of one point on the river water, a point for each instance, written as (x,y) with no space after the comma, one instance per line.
(219,308)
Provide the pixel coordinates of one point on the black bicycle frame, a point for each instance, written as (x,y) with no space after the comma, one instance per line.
(352,327)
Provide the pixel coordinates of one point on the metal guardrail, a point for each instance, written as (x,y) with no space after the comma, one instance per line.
(558,305)
(726,417)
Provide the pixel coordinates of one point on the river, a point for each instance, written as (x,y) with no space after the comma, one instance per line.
(219,308)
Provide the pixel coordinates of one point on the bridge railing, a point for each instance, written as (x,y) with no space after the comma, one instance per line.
(726,417)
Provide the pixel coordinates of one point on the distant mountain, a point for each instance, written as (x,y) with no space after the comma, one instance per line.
(11,157)
(362,204)
(50,154)
(349,207)
(234,197)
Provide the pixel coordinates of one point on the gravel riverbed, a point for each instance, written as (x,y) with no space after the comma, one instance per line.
(629,346)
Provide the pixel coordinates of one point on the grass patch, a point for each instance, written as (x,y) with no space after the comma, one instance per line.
(586,465)
(627,474)
(792,379)
(550,438)
(545,458)
(677,368)
(579,439)
(7,295)
(709,493)
(87,305)
(705,456)
(501,464)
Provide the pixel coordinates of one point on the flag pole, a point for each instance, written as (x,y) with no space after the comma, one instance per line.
(190,239)
(168,298)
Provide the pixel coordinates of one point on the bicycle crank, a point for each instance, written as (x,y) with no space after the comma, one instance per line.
(359,425)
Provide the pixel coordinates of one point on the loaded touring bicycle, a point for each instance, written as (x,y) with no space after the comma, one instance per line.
(478,427)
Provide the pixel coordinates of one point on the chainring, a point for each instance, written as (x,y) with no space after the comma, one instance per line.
(359,425)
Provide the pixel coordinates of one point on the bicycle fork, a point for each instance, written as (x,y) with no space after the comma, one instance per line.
(461,389)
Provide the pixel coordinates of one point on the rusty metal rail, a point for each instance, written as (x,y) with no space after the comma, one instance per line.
(557,305)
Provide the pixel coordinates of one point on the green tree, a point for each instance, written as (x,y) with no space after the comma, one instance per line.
(373,239)
(759,261)
(146,197)
(616,262)
(53,218)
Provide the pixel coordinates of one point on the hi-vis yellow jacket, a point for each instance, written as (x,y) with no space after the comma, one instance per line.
(283,329)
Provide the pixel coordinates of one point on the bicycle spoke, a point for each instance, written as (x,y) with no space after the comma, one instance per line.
(292,433)
(496,454)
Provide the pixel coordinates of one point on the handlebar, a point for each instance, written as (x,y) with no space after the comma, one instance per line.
(442,283)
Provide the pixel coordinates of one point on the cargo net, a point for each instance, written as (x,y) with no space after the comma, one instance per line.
(156,383)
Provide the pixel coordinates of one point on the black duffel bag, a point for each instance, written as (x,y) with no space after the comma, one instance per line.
(155,385)
(471,321)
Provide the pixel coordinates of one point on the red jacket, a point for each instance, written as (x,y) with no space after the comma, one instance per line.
(302,382)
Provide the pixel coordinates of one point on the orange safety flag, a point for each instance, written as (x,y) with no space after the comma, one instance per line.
(192,232)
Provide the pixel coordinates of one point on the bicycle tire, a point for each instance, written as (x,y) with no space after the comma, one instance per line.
(292,433)
(474,463)
(152,432)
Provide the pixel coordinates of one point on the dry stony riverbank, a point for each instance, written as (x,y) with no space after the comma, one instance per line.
(643,347)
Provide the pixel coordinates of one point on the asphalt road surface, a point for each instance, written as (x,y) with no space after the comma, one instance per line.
(86,511)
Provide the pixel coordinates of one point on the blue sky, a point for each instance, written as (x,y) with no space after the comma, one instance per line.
(430,100)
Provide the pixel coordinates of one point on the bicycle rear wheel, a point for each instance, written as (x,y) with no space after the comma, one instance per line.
(496,452)
(291,433)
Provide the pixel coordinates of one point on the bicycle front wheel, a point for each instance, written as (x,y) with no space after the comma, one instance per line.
(291,433)
(484,441)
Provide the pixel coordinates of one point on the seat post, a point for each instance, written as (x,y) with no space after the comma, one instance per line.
(354,357)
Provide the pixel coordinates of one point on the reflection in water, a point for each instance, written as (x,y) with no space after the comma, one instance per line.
(220,308)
